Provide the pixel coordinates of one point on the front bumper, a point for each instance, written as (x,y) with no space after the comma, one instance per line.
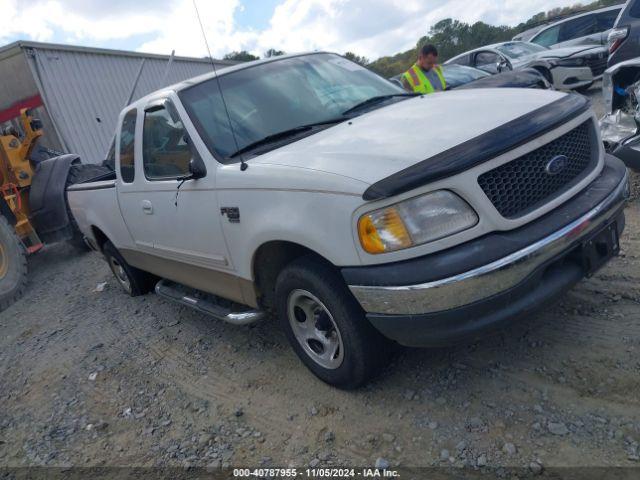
(460,295)
(571,77)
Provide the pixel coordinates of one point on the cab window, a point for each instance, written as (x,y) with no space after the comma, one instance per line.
(165,151)
(127,146)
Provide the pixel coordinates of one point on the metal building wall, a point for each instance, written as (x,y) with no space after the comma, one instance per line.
(19,90)
(84,90)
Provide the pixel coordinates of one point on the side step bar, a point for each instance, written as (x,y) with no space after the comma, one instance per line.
(208,304)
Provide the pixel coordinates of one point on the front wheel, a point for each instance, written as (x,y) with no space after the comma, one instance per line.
(326,327)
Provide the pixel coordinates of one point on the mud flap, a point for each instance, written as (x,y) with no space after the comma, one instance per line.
(48,201)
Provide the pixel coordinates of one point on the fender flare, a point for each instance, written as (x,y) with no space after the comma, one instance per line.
(48,200)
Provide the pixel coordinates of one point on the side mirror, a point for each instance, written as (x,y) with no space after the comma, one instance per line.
(197,167)
(502,65)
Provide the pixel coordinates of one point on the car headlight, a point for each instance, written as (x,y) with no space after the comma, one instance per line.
(415,221)
(571,62)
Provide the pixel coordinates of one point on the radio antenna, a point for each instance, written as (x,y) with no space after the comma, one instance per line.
(243,164)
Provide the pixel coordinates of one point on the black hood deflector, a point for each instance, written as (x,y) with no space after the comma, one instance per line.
(481,148)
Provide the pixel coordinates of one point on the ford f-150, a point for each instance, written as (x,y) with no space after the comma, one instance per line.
(308,187)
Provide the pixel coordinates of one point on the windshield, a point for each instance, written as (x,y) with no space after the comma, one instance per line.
(456,75)
(519,49)
(274,97)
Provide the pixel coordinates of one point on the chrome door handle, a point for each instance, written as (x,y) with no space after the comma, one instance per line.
(147,207)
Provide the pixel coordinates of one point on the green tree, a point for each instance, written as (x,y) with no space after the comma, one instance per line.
(364,61)
(272,52)
(242,56)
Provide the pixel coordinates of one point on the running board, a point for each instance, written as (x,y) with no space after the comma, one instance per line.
(208,304)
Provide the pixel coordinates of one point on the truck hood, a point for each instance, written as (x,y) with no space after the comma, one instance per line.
(382,142)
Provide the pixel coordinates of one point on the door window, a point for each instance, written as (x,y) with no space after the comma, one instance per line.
(127,144)
(605,20)
(487,61)
(547,37)
(578,27)
(165,151)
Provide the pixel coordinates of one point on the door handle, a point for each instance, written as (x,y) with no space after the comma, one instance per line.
(147,207)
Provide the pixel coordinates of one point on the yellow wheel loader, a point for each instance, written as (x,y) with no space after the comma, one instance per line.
(33,203)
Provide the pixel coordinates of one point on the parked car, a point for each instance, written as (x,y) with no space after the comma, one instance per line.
(460,76)
(565,68)
(624,38)
(621,123)
(359,214)
(590,28)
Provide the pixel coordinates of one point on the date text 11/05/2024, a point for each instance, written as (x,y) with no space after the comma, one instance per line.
(315,473)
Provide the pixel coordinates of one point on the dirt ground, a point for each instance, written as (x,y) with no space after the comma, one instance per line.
(95,378)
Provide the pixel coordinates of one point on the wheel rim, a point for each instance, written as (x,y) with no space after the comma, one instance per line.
(120,274)
(4,262)
(315,329)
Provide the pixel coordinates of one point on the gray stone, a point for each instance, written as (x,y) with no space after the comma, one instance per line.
(481,461)
(536,468)
(509,448)
(382,463)
(314,463)
(557,428)
(444,454)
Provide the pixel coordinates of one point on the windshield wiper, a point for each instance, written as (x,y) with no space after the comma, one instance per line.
(378,99)
(274,137)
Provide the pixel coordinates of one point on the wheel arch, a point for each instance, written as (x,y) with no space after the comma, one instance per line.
(269,259)
(99,238)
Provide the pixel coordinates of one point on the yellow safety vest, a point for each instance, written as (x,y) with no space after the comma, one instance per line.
(419,81)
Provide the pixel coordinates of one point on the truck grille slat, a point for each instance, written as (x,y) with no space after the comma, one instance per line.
(520,186)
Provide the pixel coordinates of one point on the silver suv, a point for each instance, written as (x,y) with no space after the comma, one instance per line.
(584,29)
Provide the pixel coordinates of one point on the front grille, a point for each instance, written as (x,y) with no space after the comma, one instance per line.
(524,184)
(597,65)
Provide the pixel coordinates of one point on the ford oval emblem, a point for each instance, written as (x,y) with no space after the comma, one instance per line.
(556,164)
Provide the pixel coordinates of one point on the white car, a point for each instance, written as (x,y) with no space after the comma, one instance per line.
(565,68)
(308,187)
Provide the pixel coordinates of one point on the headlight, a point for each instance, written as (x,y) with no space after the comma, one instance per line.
(571,62)
(415,221)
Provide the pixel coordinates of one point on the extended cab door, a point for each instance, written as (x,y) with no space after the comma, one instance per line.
(175,221)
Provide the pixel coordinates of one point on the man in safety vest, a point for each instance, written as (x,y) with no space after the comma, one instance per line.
(425,76)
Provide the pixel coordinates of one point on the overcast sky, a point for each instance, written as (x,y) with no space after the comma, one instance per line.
(367,27)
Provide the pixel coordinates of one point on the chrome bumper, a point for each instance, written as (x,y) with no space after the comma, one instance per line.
(493,278)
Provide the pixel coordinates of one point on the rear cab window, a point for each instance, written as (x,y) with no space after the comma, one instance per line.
(165,149)
(126,146)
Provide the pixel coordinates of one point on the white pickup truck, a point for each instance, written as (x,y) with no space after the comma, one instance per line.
(308,187)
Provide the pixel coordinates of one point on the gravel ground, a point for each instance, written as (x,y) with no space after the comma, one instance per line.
(96,378)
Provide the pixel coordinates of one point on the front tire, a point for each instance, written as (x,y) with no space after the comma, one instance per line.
(326,327)
(13,265)
(133,281)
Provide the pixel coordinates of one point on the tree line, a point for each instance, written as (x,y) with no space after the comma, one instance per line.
(451,37)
